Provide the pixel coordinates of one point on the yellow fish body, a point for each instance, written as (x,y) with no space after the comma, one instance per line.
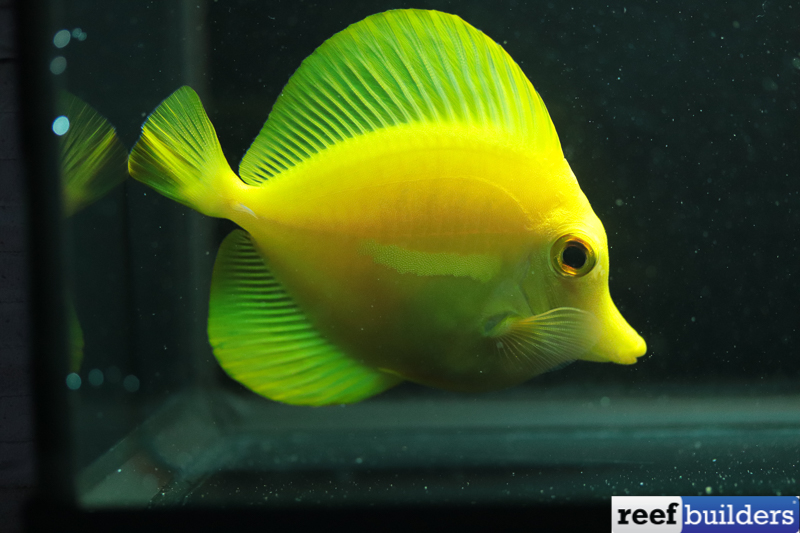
(407,214)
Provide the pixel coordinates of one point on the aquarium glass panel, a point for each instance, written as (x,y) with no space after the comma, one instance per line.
(394,291)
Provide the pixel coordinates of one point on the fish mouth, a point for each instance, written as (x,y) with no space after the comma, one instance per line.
(622,352)
(619,342)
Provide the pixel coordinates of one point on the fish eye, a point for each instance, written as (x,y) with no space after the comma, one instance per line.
(573,256)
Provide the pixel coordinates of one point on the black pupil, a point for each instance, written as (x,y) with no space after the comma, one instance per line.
(574,256)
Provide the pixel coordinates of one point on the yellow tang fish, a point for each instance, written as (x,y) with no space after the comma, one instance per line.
(408,214)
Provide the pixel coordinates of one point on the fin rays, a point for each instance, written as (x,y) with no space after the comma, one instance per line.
(178,155)
(395,68)
(265,342)
(549,340)
(93,161)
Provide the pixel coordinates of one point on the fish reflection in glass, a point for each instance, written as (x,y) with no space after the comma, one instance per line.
(407,214)
(92,161)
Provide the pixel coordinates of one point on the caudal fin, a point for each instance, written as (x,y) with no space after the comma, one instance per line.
(178,154)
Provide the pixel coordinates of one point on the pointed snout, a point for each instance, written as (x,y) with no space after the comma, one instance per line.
(619,342)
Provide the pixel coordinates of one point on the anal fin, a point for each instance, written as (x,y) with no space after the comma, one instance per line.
(263,340)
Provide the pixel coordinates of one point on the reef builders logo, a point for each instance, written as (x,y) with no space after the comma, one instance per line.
(717,514)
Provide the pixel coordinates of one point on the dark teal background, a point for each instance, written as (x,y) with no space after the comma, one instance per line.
(678,118)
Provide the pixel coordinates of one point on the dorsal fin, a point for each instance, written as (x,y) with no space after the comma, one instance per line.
(394,68)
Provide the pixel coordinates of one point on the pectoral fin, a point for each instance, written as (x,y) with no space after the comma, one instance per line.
(546,341)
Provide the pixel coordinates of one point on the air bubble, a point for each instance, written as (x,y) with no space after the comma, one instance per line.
(96,377)
(131,383)
(73,381)
(61,125)
(61,38)
(58,65)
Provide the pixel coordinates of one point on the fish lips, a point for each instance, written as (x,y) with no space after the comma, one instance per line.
(619,342)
